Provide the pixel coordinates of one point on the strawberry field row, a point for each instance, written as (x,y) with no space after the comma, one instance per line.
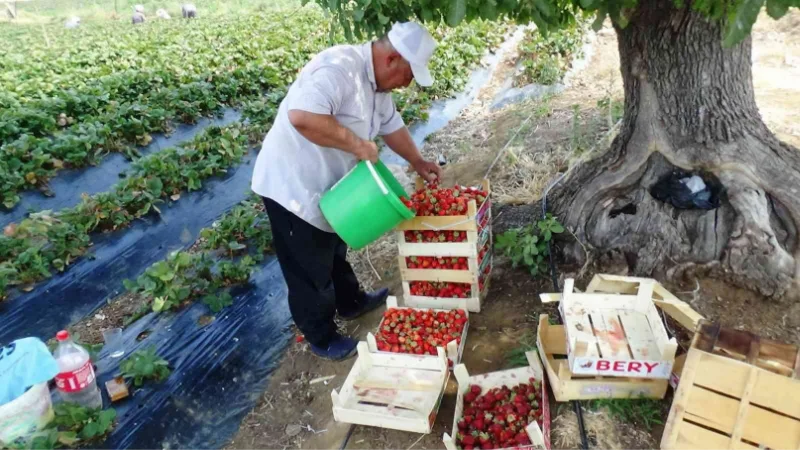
(46,242)
(240,239)
(76,126)
(89,100)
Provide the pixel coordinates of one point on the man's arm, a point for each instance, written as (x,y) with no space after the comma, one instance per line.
(325,131)
(400,141)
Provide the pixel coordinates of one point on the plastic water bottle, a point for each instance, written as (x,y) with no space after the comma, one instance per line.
(76,379)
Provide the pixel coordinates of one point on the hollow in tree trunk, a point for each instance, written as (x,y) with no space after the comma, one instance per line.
(689,104)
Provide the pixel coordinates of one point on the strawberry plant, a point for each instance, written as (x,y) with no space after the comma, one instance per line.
(145,365)
(419,331)
(80,423)
(497,418)
(529,245)
(245,226)
(217,303)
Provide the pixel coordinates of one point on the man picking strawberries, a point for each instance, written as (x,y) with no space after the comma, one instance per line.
(340,102)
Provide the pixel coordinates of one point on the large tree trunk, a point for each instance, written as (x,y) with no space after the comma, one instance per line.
(689,104)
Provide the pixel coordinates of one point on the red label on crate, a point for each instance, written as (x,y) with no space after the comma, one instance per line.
(641,369)
(77,379)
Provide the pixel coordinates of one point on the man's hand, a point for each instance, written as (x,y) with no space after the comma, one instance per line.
(366,151)
(428,170)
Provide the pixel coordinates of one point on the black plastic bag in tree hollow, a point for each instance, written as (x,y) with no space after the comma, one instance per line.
(685,190)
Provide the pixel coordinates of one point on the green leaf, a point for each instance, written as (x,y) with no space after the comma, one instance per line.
(545,7)
(382,19)
(597,25)
(587,4)
(456,12)
(741,22)
(91,430)
(235,246)
(358,14)
(158,304)
(155,186)
(557,228)
(777,8)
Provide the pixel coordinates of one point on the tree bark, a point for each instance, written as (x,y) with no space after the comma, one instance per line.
(689,104)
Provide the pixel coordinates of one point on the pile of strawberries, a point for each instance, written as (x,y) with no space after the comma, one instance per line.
(419,332)
(436,236)
(498,418)
(440,289)
(435,201)
(449,263)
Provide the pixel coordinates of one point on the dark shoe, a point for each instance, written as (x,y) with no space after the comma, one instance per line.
(371,301)
(338,349)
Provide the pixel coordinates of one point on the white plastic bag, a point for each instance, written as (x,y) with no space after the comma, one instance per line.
(29,413)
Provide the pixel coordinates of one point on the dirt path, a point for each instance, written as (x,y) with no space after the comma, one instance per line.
(557,131)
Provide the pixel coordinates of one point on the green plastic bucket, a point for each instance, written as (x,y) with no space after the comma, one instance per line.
(365,204)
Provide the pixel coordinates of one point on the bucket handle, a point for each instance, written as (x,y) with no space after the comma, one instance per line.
(377,178)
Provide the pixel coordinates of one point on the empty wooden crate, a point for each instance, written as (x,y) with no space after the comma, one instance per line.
(388,390)
(736,391)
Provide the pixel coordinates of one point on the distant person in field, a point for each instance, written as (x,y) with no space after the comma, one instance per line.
(162,14)
(339,104)
(73,22)
(138,18)
(189,11)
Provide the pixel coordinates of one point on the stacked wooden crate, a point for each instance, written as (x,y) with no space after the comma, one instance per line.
(476,249)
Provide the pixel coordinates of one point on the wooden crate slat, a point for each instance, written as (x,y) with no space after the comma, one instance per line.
(457,249)
(444,275)
(715,373)
(410,402)
(744,408)
(711,409)
(694,437)
(770,429)
(399,378)
(771,390)
(581,330)
(610,336)
(640,335)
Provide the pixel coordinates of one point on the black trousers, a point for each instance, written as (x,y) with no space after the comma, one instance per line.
(320,280)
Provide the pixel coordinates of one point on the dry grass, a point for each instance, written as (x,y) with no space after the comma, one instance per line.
(601,430)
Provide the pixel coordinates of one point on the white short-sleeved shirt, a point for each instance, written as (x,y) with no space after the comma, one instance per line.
(295,172)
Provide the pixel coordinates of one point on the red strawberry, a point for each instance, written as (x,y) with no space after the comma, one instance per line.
(475,389)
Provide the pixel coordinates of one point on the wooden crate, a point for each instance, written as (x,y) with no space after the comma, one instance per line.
(401,392)
(736,391)
(477,239)
(552,344)
(539,436)
(614,334)
(453,350)
(552,341)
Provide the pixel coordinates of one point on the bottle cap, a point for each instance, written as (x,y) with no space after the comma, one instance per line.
(62,335)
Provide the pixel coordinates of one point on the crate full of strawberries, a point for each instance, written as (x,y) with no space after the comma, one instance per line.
(501,410)
(420,331)
(445,253)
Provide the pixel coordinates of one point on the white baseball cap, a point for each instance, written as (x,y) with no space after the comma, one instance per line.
(416,46)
